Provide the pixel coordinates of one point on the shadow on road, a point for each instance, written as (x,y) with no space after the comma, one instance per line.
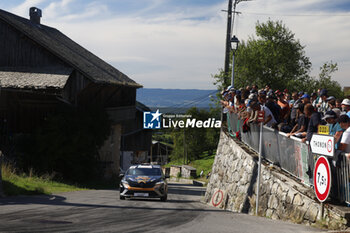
(186,191)
(60,201)
(178,184)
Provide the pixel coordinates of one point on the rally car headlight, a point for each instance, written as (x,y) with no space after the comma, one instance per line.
(159,184)
(125,184)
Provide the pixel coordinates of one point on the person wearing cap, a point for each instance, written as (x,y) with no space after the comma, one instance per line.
(344,122)
(322,107)
(334,127)
(345,105)
(330,98)
(305,99)
(227,101)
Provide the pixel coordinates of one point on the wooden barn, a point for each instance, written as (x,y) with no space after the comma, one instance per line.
(135,141)
(42,69)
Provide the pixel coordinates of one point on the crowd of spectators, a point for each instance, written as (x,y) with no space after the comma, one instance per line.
(297,114)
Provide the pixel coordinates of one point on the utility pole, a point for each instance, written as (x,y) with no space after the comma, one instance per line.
(228,39)
(184,148)
(230,24)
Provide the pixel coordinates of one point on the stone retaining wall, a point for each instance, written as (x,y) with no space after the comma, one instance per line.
(175,171)
(188,171)
(232,186)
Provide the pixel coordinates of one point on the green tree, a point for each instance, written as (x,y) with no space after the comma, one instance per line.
(325,80)
(276,58)
(198,140)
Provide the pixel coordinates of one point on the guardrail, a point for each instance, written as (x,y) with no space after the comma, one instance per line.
(343,179)
(293,156)
(290,154)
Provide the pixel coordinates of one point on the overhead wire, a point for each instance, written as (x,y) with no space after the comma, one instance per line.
(193,101)
(297,15)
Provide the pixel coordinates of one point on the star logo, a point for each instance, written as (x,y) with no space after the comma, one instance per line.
(156,115)
(151,120)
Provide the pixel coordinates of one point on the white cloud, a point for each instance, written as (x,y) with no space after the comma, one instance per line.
(182,46)
(163,51)
(23,9)
(54,9)
(325,37)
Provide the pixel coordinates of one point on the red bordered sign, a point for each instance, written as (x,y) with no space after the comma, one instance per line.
(217,198)
(322,178)
(261,116)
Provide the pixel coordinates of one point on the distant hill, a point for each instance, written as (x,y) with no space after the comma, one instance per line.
(170,99)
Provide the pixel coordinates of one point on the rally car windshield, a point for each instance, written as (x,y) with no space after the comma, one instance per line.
(143,172)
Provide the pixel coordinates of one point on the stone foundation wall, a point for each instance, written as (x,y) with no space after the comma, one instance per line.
(188,171)
(175,170)
(233,184)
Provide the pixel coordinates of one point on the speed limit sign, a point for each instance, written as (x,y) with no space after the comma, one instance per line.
(322,178)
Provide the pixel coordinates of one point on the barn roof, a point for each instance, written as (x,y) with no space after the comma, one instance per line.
(69,51)
(38,78)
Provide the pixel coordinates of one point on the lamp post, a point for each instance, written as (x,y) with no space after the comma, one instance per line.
(234,46)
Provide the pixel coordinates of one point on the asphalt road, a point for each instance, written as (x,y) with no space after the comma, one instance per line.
(102,211)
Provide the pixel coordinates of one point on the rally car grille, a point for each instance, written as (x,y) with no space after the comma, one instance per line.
(142,184)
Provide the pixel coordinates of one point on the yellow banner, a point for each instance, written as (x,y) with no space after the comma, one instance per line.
(323,129)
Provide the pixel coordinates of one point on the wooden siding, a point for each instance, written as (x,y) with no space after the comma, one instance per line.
(75,84)
(21,112)
(134,137)
(17,50)
(108,96)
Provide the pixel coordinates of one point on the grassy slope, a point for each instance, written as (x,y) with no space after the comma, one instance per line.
(204,164)
(14,184)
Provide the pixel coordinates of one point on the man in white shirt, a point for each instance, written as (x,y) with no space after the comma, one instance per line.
(269,119)
(344,122)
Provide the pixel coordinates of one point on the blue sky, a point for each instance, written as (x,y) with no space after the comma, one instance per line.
(180,43)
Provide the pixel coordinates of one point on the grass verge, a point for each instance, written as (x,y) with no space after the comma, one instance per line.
(204,164)
(22,184)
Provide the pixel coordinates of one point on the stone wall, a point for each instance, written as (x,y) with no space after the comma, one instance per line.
(188,171)
(175,170)
(233,183)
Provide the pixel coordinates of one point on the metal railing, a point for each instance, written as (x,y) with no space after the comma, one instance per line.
(342,178)
(293,156)
(290,154)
